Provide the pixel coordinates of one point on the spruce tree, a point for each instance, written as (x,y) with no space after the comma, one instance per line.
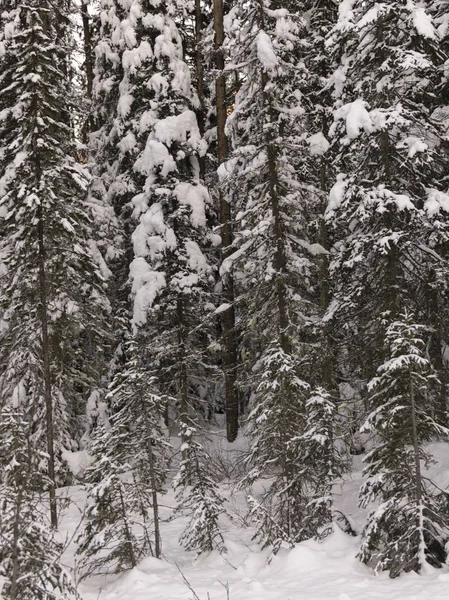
(130,464)
(390,151)
(274,259)
(409,527)
(386,143)
(323,461)
(29,555)
(52,294)
(198,495)
(171,274)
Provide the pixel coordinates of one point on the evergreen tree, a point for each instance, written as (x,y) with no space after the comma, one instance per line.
(274,259)
(128,472)
(198,495)
(274,424)
(409,527)
(171,274)
(388,151)
(52,294)
(29,554)
(323,461)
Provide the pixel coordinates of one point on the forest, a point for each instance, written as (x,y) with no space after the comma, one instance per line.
(224,279)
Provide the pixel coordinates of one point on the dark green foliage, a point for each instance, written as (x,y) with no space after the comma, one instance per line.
(409,527)
(29,554)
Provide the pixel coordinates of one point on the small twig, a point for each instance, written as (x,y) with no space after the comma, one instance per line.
(228,563)
(188,584)
(226,587)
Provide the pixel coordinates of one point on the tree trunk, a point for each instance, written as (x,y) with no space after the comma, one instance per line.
(88,51)
(199,72)
(43,315)
(415,441)
(47,371)
(280,259)
(436,348)
(228,316)
(15,553)
(128,536)
(182,384)
(150,454)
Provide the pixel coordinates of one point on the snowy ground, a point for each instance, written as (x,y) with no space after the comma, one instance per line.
(311,571)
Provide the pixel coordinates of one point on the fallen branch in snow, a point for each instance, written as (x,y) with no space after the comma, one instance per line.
(187,583)
(195,595)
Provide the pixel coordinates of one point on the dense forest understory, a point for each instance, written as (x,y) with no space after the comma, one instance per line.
(224,296)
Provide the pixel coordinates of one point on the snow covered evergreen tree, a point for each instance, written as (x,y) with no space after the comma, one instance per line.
(198,495)
(275,423)
(129,469)
(274,257)
(153,146)
(51,294)
(323,462)
(389,154)
(29,554)
(409,527)
(171,275)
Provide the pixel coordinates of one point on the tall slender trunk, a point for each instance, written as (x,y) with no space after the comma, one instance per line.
(182,384)
(415,441)
(228,316)
(46,368)
(280,259)
(327,366)
(88,51)
(153,482)
(16,545)
(43,316)
(436,349)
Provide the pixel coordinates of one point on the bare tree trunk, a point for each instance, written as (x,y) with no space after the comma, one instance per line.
(88,50)
(327,367)
(199,72)
(182,387)
(415,442)
(280,259)
(47,371)
(153,482)
(228,316)
(436,349)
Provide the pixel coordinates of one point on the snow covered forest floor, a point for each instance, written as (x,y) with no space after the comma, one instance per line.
(311,571)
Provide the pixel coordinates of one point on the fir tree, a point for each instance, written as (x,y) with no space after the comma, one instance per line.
(198,495)
(29,554)
(128,472)
(409,527)
(171,274)
(52,294)
(323,461)
(274,256)
(390,166)
(277,449)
